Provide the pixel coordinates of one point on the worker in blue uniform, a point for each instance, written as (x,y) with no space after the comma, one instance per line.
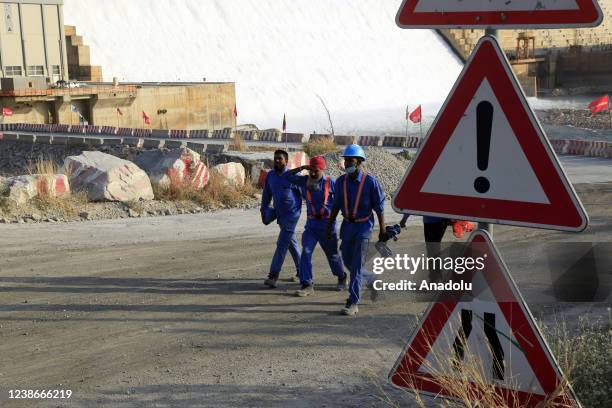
(287,208)
(358,196)
(318,190)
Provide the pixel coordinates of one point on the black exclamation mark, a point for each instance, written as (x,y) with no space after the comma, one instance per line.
(484,124)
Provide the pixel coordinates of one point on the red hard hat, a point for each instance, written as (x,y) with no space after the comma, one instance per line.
(318,162)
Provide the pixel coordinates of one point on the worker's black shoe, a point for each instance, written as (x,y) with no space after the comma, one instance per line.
(306,290)
(349,309)
(271,282)
(342,283)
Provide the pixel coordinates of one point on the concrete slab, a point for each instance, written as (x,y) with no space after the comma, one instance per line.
(196,147)
(133,141)
(152,144)
(112,141)
(94,141)
(174,144)
(27,138)
(215,148)
(11,137)
(61,140)
(44,139)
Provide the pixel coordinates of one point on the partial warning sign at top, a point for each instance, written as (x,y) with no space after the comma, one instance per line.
(486,158)
(498,14)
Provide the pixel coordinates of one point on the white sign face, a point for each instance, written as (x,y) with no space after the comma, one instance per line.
(486,157)
(498,14)
(509,174)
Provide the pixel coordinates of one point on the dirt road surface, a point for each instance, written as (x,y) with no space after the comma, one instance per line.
(171,312)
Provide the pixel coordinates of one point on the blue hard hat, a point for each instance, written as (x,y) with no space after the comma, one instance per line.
(269,215)
(354,150)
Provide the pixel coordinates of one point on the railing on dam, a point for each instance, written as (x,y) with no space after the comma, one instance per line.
(85,90)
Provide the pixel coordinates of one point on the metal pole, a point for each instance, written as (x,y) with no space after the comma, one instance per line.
(493,32)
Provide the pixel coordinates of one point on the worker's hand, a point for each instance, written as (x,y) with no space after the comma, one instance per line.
(383,235)
(403,223)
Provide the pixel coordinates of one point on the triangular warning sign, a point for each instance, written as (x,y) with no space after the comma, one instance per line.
(498,14)
(486,157)
(482,339)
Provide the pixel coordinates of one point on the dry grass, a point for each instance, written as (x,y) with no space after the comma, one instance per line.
(319,146)
(237,144)
(262,148)
(68,205)
(469,384)
(216,193)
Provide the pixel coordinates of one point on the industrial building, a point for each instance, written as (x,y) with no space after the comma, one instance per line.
(41,57)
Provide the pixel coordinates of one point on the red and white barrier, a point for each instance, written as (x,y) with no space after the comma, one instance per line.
(24,188)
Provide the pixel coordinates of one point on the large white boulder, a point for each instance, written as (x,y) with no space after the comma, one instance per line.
(21,189)
(107,178)
(162,166)
(233,173)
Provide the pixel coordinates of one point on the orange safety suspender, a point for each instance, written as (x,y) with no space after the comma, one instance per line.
(351,217)
(321,214)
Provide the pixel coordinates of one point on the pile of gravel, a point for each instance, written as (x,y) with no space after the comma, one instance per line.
(388,168)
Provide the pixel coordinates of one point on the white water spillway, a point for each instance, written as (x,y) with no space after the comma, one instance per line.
(280,53)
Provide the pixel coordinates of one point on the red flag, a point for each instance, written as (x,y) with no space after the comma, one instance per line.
(235,111)
(284,123)
(119,112)
(600,104)
(7,111)
(146,118)
(415,116)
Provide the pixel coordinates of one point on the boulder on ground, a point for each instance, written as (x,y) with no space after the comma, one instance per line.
(164,166)
(107,178)
(233,173)
(257,164)
(21,189)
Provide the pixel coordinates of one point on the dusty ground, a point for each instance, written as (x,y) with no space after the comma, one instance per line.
(171,312)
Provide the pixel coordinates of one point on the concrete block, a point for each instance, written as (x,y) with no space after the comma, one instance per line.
(76,141)
(44,139)
(94,141)
(215,148)
(133,141)
(11,137)
(112,141)
(196,147)
(27,138)
(60,140)
(153,144)
(174,144)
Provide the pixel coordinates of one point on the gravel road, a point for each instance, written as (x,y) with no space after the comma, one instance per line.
(171,311)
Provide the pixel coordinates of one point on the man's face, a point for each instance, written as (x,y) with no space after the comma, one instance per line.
(316,174)
(279,162)
(351,161)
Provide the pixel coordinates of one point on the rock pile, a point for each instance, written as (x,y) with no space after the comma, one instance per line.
(388,168)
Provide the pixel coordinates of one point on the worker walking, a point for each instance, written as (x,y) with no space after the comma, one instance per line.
(287,209)
(358,194)
(318,190)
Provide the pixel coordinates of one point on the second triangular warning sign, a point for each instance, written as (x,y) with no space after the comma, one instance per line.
(486,157)
(482,343)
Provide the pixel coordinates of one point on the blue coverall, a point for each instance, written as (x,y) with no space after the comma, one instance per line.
(314,231)
(355,236)
(288,206)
